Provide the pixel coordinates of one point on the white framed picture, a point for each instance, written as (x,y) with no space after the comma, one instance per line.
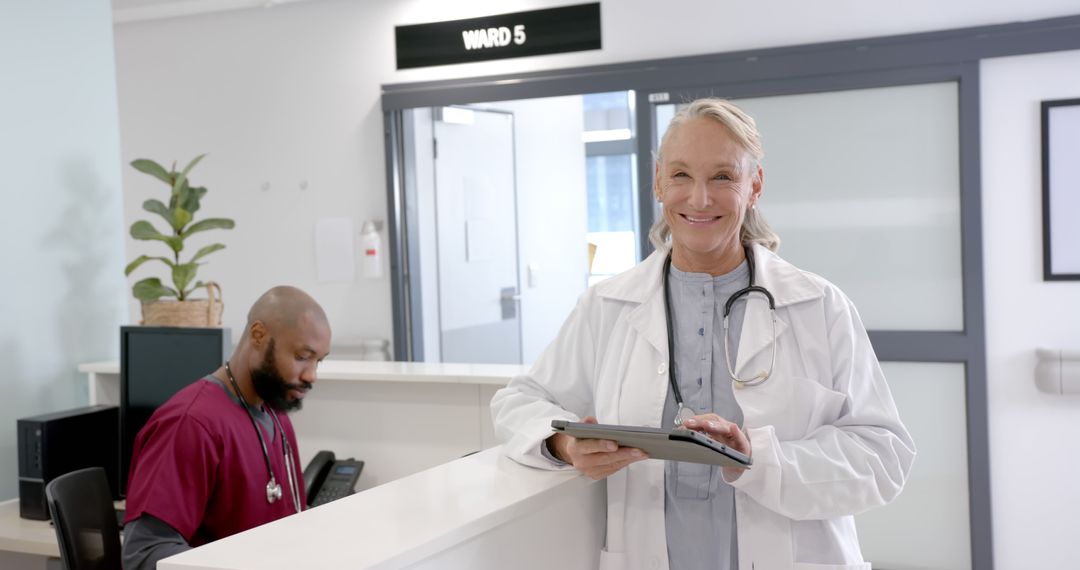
(1061,189)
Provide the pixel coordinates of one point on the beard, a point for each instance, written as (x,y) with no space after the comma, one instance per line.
(272,387)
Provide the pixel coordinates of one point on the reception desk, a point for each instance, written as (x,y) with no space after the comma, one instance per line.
(398,417)
(477,512)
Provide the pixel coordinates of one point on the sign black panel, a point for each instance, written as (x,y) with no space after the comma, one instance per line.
(537,32)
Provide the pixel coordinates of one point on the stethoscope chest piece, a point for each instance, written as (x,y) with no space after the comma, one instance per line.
(684,413)
(273,491)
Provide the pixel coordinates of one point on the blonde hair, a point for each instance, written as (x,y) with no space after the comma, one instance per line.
(742,127)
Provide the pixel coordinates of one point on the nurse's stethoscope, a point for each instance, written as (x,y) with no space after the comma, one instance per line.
(273,488)
(684,412)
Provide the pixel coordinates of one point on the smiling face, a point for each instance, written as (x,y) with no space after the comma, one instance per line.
(706,182)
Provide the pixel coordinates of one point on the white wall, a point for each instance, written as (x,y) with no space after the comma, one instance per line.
(1034,436)
(61,267)
(277,97)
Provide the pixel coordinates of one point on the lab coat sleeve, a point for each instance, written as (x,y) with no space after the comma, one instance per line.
(558,387)
(858,462)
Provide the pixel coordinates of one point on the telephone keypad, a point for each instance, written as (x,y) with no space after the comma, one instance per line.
(341,482)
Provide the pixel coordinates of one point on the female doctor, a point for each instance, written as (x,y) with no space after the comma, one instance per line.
(689,338)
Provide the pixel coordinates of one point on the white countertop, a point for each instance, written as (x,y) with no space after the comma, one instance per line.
(395,524)
(26,536)
(369,371)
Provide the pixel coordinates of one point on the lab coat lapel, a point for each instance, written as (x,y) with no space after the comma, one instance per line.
(757,336)
(647,319)
(788,286)
(641,398)
(642,285)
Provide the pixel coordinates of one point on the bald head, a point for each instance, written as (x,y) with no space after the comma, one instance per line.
(286,337)
(286,307)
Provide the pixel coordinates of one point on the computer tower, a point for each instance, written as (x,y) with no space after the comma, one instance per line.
(53,444)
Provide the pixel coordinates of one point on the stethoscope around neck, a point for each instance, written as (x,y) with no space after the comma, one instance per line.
(684,412)
(273,488)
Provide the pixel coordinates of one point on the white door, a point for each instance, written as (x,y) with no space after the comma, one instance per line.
(476,217)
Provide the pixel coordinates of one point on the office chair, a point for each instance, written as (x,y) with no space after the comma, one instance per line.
(81,506)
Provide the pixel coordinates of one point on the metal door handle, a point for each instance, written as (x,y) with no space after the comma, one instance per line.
(508,298)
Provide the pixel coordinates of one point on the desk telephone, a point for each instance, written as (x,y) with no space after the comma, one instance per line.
(327,478)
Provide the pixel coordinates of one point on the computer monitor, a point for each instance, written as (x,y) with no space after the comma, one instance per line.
(155,363)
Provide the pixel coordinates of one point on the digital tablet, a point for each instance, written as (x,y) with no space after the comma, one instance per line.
(658,443)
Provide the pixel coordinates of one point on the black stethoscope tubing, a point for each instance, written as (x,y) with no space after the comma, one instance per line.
(262,442)
(751,288)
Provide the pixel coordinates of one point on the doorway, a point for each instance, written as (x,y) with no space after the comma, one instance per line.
(512,209)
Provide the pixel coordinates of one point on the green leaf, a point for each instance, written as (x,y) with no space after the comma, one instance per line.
(152,168)
(151,289)
(182,179)
(181,218)
(179,201)
(142,230)
(191,202)
(159,208)
(173,197)
(197,285)
(182,275)
(193,288)
(143,259)
(181,190)
(209,224)
(206,251)
(193,162)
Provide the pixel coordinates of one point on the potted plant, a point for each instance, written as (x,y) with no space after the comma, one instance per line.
(179,216)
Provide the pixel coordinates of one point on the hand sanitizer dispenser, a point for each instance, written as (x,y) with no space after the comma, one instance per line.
(371,250)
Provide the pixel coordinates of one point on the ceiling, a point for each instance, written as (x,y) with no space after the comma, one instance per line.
(127,4)
(136,10)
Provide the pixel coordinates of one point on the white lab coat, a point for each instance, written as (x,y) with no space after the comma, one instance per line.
(827,441)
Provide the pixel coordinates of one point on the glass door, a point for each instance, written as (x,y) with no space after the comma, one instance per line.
(476,227)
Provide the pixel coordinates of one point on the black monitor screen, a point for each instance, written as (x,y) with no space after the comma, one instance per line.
(155,363)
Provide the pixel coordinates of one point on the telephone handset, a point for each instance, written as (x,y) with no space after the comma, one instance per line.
(327,478)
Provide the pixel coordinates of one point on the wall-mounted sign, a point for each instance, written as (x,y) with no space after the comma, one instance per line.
(537,32)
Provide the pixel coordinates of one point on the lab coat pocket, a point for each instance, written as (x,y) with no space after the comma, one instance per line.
(805,566)
(612,560)
(795,406)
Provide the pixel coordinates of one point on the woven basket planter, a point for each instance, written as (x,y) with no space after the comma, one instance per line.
(196,313)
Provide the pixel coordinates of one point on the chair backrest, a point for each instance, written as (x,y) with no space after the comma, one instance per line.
(82,511)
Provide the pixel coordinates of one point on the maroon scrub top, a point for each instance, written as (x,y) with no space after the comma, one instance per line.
(197,465)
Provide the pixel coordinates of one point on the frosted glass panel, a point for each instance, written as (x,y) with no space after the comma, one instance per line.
(863,187)
(927,526)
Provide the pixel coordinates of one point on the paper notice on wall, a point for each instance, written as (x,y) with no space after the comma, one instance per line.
(335,257)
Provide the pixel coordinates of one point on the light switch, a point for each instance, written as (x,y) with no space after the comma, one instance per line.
(533,275)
